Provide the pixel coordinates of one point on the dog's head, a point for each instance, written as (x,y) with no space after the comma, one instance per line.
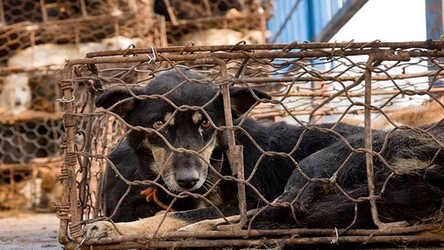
(181,112)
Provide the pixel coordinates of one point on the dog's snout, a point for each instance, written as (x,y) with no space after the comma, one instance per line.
(187,178)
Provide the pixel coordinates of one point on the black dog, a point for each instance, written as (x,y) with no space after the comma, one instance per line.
(408,180)
(177,144)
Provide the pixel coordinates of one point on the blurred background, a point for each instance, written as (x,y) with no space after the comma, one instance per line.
(37,36)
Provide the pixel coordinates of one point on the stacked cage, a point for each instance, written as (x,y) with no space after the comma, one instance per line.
(36,37)
(374,85)
(215,22)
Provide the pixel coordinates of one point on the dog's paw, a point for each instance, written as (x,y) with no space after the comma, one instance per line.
(99,230)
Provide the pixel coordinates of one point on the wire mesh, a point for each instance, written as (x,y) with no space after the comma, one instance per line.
(225,21)
(36,37)
(26,147)
(26,24)
(368,84)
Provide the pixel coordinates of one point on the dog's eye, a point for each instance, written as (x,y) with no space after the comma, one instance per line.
(157,124)
(205,124)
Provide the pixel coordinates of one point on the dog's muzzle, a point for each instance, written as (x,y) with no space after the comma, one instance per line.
(185,172)
(187,178)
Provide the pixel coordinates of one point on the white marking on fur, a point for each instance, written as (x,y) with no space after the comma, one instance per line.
(223,37)
(163,165)
(208,150)
(16,96)
(47,55)
(56,54)
(197,117)
(169,119)
(202,169)
(158,155)
(410,165)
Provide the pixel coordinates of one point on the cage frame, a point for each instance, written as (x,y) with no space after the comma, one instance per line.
(70,213)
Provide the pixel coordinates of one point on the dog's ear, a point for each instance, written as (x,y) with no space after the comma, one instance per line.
(111,97)
(242,99)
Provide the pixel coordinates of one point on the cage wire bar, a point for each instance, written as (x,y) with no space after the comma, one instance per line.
(34,44)
(187,19)
(78,208)
(31,23)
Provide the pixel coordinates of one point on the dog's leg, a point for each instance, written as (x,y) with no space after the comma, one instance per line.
(210,225)
(159,223)
(216,224)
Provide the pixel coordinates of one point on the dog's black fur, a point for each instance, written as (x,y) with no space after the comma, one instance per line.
(134,158)
(408,166)
(414,193)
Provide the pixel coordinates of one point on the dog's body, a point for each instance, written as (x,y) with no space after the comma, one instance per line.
(140,156)
(269,181)
(408,179)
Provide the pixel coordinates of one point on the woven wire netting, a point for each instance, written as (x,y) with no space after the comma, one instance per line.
(30,23)
(310,84)
(26,147)
(207,21)
(25,140)
(36,37)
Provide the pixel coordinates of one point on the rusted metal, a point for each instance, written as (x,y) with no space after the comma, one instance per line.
(274,238)
(67,177)
(299,232)
(369,140)
(100,57)
(357,87)
(279,242)
(361,47)
(235,151)
(88,22)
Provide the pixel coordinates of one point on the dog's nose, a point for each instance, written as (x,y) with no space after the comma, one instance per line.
(187,183)
(18,102)
(187,179)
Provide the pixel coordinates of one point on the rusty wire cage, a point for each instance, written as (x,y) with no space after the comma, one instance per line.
(311,83)
(35,39)
(187,21)
(28,23)
(29,145)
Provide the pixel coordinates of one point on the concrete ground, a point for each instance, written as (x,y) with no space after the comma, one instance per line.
(26,230)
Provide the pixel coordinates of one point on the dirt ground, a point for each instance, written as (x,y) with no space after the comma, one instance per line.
(26,230)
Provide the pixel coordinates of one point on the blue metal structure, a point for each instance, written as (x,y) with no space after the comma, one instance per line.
(310,20)
(434,19)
